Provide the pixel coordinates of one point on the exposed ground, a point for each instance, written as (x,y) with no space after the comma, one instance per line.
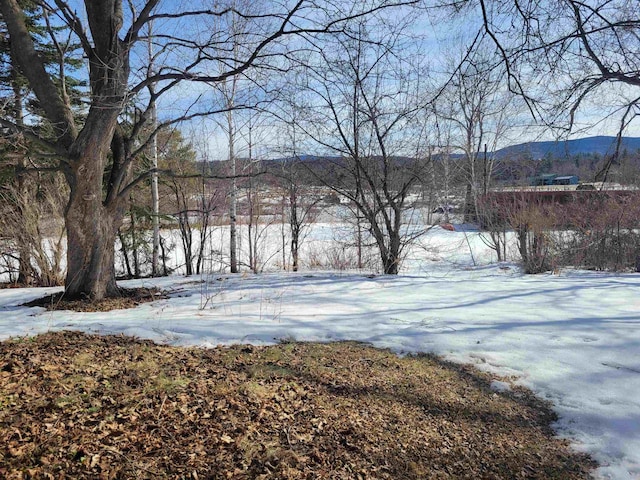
(130,297)
(79,406)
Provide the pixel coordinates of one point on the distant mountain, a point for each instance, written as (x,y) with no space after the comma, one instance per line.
(568,148)
(536,150)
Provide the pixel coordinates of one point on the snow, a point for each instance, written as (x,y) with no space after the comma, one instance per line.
(498,386)
(573,337)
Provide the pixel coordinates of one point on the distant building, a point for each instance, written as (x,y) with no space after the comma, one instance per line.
(566,180)
(554,179)
(544,179)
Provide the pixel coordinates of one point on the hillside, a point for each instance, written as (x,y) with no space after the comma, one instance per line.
(558,149)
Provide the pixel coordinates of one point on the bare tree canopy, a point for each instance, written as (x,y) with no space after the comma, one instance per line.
(583,53)
(363,106)
(97,152)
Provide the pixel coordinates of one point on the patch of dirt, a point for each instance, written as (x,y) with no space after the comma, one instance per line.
(130,297)
(5,285)
(80,406)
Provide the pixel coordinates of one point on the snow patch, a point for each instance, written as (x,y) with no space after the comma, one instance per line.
(500,387)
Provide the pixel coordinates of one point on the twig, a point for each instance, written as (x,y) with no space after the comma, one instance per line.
(161,407)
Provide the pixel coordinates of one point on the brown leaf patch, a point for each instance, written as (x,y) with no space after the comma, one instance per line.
(5,285)
(80,406)
(129,298)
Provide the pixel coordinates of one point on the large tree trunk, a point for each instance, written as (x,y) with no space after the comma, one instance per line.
(389,254)
(389,241)
(390,266)
(91,231)
(91,222)
(391,257)
(91,234)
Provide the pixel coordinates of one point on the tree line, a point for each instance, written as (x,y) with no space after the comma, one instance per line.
(88,98)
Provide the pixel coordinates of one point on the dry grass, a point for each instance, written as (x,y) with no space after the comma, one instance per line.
(79,406)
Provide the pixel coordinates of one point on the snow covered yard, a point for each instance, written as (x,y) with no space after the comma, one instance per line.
(573,338)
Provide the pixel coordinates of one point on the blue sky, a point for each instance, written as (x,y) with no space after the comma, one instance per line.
(441,36)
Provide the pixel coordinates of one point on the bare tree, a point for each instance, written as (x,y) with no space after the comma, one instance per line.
(299,202)
(155,198)
(229,90)
(100,147)
(259,217)
(364,110)
(565,57)
(195,198)
(480,110)
(299,199)
(259,195)
(574,63)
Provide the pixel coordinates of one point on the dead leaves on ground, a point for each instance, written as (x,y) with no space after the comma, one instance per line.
(129,298)
(79,406)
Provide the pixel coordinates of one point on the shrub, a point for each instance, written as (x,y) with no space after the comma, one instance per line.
(605,233)
(534,224)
